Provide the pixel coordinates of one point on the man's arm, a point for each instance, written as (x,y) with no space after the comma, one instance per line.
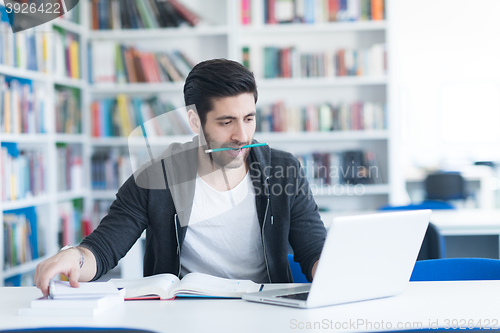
(66,262)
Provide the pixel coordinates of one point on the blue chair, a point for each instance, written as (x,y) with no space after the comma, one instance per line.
(297,275)
(456,269)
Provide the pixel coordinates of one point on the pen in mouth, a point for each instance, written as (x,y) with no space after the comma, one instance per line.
(207,151)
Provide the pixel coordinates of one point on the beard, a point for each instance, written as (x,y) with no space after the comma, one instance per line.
(224,159)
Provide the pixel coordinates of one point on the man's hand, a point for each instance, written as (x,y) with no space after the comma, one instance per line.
(314,268)
(66,262)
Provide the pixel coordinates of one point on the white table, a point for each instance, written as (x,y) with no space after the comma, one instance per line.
(421,305)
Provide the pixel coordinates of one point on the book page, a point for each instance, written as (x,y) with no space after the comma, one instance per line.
(208,285)
(62,289)
(159,284)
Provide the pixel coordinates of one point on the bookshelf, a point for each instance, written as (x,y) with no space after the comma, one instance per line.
(32,222)
(223,33)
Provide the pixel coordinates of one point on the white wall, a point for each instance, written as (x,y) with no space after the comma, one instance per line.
(446,72)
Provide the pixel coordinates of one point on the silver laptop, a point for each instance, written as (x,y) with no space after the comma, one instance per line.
(364,257)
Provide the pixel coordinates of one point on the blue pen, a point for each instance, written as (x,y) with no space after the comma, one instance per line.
(222,149)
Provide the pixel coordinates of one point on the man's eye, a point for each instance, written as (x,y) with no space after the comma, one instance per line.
(250,119)
(226,123)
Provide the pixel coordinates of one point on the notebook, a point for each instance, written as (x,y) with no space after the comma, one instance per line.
(364,257)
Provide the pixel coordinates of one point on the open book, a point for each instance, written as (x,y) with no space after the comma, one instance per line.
(168,286)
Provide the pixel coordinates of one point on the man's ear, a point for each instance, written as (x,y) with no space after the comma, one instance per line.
(194,121)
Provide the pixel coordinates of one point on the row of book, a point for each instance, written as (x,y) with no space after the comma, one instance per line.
(351,167)
(110,169)
(69,167)
(278,117)
(66,54)
(22,237)
(141,14)
(120,116)
(22,106)
(28,49)
(68,111)
(73,226)
(114,63)
(291,63)
(21,171)
(315,11)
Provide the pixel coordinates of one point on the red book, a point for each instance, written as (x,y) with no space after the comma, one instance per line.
(185,13)
(333,8)
(145,67)
(154,67)
(341,70)
(271,16)
(245,12)
(95,119)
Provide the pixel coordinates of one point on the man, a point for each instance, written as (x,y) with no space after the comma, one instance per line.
(229,213)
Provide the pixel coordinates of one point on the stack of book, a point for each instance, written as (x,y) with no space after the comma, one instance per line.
(290,63)
(21,171)
(68,112)
(22,106)
(66,54)
(89,299)
(25,50)
(341,168)
(140,14)
(120,116)
(114,63)
(22,238)
(316,11)
(325,117)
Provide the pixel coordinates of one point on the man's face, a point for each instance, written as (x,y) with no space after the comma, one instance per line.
(231,123)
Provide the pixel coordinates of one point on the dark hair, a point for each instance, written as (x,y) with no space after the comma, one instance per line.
(217,78)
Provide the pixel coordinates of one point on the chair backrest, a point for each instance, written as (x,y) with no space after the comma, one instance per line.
(297,275)
(456,269)
(445,186)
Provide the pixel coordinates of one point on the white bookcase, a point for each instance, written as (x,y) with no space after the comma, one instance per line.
(47,203)
(223,36)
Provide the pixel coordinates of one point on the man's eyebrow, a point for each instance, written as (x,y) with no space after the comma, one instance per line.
(253,113)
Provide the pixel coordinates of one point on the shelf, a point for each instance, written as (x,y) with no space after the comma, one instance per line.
(25,138)
(71,195)
(104,194)
(23,268)
(23,73)
(304,28)
(27,202)
(293,138)
(68,25)
(321,82)
(149,34)
(70,138)
(350,190)
(137,88)
(70,82)
(153,141)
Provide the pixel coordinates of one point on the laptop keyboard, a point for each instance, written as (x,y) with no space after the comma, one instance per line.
(299,296)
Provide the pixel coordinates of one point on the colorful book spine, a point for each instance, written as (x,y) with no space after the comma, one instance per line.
(22,172)
(110,169)
(68,111)
(326,170)
(69,167)
(120,116)
(67,61)
(316,11)
(358,116)
(141,14)
(288,63)
(22,237)
(114,63)
(73,225)
(22,106)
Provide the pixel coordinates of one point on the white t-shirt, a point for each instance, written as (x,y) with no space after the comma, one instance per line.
(223,236)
